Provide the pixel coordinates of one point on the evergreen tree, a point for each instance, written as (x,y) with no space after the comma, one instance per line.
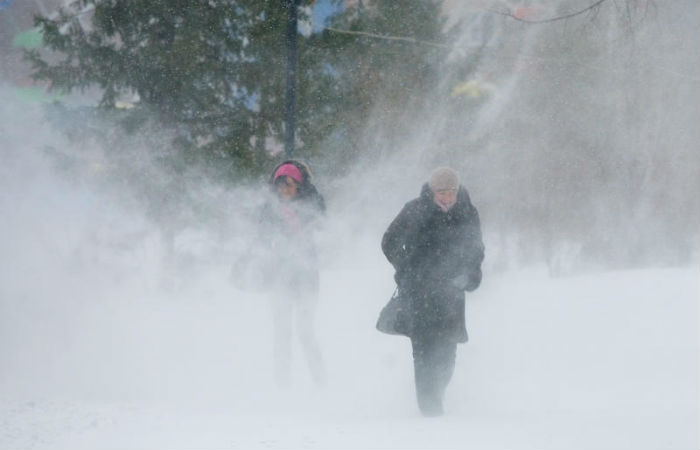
(213,71)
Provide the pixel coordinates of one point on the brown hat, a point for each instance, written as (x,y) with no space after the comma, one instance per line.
(443,178)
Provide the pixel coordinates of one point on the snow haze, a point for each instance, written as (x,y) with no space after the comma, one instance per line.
(120,325)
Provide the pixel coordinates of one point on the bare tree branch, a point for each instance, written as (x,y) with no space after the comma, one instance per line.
(552,19)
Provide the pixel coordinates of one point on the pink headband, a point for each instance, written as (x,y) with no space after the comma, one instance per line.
(289,170)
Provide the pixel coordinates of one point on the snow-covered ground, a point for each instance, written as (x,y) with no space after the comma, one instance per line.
(103,346)
(595,361)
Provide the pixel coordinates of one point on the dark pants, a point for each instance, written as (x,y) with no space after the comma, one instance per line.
(434,356)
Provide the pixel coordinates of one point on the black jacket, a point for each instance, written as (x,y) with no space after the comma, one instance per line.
(437,256)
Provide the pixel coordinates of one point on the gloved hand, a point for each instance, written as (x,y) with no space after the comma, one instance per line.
(468,281)
(460,282)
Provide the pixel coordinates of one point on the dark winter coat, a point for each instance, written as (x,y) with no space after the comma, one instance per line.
(437,256)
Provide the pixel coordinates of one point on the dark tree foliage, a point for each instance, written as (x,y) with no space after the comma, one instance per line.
(213,71)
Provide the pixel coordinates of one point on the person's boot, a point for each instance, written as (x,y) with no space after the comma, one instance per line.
(430,405)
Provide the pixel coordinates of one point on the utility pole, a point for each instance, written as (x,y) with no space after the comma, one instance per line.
(291,38)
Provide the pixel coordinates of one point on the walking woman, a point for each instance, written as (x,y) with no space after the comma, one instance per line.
(436,249)
(287,226)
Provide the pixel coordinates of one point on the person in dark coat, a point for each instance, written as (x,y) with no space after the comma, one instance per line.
(436,248)
(286,229)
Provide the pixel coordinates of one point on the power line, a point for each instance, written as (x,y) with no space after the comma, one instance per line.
(385,37)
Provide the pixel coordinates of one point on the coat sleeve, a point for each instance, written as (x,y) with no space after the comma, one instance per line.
(474,251)
(315,211)
(397,238)
(317,200)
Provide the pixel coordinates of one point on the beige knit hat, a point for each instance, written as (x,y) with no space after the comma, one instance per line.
(443,178)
